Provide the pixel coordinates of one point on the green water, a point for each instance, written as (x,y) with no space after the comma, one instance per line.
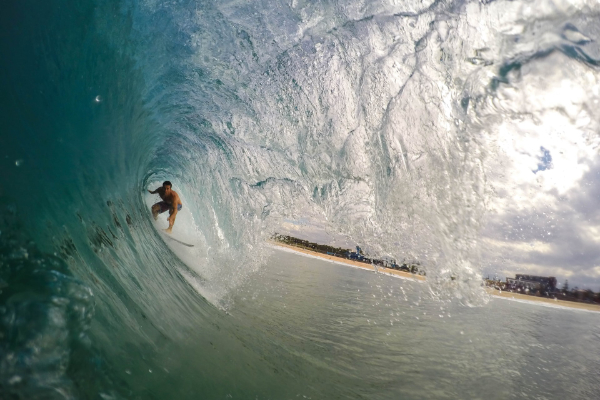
(349,334)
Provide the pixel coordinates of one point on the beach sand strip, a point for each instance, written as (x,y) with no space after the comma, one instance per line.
(352,263)
(419,278)
(534,299)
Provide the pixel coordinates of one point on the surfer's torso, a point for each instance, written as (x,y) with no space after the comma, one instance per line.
(172,198)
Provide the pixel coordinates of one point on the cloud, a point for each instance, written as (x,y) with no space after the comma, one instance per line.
(544,170)
(557,237)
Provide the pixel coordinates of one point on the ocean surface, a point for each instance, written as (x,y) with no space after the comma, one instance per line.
(373,121)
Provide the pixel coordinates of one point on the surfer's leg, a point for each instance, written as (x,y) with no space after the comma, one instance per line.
(159,208)
(155,210)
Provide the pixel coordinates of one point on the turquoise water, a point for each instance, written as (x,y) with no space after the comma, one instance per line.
(365,120)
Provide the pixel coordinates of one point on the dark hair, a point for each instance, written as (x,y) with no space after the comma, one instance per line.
(165,183)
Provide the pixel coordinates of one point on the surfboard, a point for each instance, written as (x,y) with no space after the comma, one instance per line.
(176,240)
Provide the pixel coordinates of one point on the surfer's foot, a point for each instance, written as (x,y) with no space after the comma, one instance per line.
(155,217)
(169,230)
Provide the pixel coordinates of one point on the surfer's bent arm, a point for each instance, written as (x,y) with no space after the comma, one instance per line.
(174,208)
(176,204)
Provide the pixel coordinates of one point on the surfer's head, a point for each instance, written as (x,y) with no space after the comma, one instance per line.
(167,186)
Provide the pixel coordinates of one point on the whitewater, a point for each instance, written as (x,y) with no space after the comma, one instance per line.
(385,124)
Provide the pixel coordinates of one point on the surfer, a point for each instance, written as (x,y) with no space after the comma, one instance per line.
(171,202)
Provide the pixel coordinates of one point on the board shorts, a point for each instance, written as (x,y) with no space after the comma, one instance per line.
(164,206)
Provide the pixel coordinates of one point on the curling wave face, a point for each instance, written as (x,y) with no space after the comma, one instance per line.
(377,122)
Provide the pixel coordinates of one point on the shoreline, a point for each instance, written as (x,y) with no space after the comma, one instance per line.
(351,263)
(543,300)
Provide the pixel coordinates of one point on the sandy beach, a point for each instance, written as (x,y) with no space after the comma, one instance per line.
(557,303)
(356,264)
(419,278)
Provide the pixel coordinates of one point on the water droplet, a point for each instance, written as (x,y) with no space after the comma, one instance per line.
(98,99)
(128,372)
(19,162)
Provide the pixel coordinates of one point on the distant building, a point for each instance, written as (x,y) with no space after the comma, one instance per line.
(358,255)
(532,283)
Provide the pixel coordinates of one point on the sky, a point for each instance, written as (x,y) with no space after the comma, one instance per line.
(544,171)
